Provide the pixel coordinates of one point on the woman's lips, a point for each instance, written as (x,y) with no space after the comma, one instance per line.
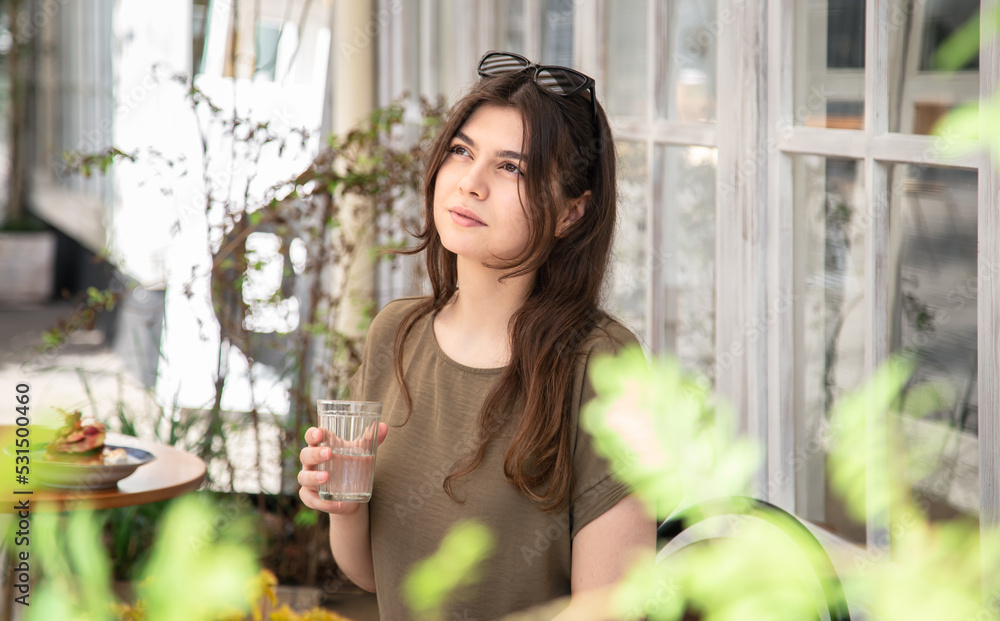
(464,217)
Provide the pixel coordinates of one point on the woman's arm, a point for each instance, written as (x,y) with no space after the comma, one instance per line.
(350,536)
(605,548)
(350,541)
(603,551)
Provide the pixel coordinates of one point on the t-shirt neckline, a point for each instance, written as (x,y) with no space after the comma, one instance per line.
(429,329)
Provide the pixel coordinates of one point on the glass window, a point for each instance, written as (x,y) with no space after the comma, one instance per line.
(557,33)
(455,71)
(935,296)
(686,70)
(845,34)
(926,78)
(829,82)
(829,268)
(627,90)
(940,21)
(509,26)
(199,27)
(687,254)
(933,318)
(628,271)
(266,48)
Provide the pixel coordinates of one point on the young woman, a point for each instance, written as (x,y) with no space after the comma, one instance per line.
(482,381)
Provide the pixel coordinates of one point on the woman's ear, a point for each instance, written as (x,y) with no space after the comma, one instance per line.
(573,212)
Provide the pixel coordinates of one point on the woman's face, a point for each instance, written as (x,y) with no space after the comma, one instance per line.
(477,204)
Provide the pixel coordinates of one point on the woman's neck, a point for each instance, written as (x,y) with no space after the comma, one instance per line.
(474,328)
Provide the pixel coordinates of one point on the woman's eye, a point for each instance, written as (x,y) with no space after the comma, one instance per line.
(512,168)
(458,150)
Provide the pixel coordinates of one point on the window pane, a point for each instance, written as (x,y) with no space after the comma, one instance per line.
(455,67)
(687,254)
(829,67)
(199,19)
(628,273)
(829,320)
(266,48)
(510,26)
(686,69)
(935,299)
(557,33)
(626,92)
(920,91)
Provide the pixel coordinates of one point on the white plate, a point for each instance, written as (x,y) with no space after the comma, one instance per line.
(67,475)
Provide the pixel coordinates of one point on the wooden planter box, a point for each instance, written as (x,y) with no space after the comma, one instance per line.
(27,266)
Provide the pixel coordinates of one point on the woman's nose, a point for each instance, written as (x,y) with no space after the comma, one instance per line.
(473,183)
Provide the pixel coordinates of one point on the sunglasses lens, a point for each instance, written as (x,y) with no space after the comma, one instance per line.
(561,81)
(499,64)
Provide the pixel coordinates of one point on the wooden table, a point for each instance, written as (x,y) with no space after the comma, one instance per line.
(171,474)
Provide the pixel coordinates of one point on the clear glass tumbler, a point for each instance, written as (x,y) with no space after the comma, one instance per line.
(350,429)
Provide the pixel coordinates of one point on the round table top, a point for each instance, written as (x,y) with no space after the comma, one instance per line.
(172,473)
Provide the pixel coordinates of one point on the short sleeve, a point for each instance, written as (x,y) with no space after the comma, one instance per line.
(596,489)
(377,358)
(355,387)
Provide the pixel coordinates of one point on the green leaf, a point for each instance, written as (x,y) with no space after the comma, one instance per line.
(854,448)
(436,579)
(203,554)
(959,48)
(306,518)
(958,131)
(75,567)
(52,338)
(662,433)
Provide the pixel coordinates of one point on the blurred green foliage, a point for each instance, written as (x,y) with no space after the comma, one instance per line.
(201,563)
(958,49)
(77,572)
(694,450)
(201,566)
(674,445)
(438,579)
(975,123)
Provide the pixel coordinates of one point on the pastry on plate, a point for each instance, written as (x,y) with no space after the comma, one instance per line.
(77,441)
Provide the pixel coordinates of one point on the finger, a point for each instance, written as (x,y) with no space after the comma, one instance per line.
(312,456)
(383,430)
(311,499)
(312,478)
(313,436)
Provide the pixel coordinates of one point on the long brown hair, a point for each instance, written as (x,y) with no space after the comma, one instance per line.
(568,153)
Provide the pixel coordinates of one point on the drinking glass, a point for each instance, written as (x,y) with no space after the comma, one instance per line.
(350,430)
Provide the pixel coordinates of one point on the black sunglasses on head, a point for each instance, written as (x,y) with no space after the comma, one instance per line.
(562,81)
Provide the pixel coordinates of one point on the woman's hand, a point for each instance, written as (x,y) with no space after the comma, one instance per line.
(310,478)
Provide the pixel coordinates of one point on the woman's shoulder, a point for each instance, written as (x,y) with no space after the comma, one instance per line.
(400,306)
(609,336)
(389,318)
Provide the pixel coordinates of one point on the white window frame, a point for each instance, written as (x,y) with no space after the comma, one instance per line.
(757,141)
(878,150)
(76,101)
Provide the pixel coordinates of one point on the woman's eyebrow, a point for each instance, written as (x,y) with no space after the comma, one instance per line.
(511,155)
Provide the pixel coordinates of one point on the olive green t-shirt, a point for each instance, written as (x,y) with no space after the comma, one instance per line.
(409,511)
